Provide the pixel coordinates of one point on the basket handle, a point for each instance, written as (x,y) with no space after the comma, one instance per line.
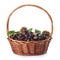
(33,6)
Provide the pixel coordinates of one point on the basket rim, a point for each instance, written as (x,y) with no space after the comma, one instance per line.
(29,41)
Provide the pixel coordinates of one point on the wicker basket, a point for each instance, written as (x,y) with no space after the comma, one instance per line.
(29,47)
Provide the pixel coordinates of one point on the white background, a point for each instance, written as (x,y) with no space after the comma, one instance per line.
(25,18)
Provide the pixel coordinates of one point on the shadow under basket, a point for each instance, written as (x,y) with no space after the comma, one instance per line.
(29,47)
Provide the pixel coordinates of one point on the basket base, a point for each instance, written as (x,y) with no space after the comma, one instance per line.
(29,54)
